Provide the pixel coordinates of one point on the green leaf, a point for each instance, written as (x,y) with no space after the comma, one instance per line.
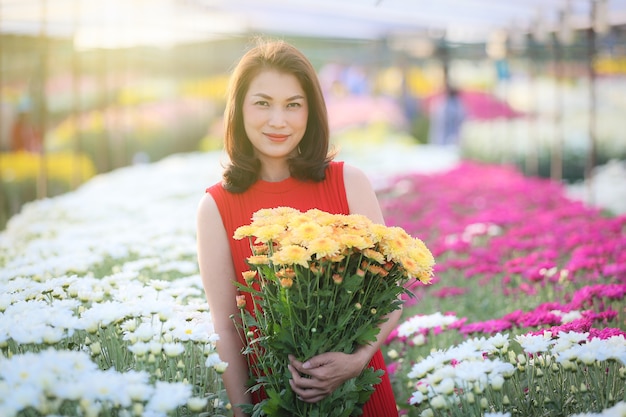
(352,283)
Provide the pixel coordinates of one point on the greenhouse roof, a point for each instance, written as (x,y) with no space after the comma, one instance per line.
(117,23)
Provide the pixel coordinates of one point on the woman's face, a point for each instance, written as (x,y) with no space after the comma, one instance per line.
(275,114)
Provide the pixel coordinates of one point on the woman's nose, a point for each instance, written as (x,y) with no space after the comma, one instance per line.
(277,117)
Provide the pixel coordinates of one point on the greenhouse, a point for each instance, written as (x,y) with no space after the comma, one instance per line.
(491,135)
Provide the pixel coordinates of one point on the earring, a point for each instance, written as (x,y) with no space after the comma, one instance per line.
(299,151)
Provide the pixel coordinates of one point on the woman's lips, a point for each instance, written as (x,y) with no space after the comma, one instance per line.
(276,137)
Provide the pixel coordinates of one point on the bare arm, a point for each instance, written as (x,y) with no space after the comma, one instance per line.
(218,275)
(362,200)
(330,370)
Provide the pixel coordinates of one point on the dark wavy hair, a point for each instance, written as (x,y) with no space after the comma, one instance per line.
(313,157)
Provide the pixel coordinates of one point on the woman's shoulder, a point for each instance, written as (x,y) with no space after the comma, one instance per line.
(353,175)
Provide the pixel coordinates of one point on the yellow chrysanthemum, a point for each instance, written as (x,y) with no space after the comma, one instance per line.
(396,243)
(321,217)
(244,231)
(306,232)
(425,276)
(421,254)
(374,255)
(276,216)
(356,221)
(351,240)
(324,247)
(258,260)
(267,233)
(411,266)
(337,258)
(298,219)
(291,255)
(377,232)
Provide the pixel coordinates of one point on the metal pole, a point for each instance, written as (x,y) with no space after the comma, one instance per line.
(556,157)
(3,215)
(591,55)
(76,76)
(532,155)
(42,178)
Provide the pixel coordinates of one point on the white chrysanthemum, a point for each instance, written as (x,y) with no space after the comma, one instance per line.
(139,348)
(596,350)
(445,387)
(213,361)
(145,332)
(535,343)
(173,349)
(567,340)
(105,313)
(419,322)
(417,398)
(433,361)
(168,396)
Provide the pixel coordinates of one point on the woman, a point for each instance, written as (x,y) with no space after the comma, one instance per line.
(277,138)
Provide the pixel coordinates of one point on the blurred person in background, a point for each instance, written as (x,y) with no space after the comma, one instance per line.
(277,139)
(24,136)
(447,114)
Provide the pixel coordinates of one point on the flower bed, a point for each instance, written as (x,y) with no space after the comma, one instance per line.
(515,258)
(105,278)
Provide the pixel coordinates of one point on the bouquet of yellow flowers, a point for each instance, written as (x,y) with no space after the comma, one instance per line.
(320,282)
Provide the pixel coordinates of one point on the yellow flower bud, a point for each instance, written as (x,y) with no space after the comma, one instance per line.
(427,413)
(438,402)
(248,276)
(286,283)
(138,409)
(96,348)
(196,404)
(241,301)
(483,403)
(497,382)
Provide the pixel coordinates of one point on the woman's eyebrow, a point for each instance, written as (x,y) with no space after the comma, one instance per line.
(267,97)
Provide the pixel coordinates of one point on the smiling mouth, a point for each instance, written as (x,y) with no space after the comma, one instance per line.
(276,138)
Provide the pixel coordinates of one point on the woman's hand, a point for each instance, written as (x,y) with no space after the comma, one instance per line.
(318,377)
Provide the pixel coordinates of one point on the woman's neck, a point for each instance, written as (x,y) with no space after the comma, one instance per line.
(275,172)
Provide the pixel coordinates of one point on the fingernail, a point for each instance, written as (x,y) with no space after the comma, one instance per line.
(306,365)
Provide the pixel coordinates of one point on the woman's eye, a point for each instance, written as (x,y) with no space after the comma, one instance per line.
(296,105)
(262,103)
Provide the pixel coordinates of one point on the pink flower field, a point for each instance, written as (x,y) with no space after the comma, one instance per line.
(514,255)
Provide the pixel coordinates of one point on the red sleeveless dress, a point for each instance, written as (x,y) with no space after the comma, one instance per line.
(328,195)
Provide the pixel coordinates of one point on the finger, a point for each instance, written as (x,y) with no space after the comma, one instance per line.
(299,381)
(294,362)
(307,395)
(299,366)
